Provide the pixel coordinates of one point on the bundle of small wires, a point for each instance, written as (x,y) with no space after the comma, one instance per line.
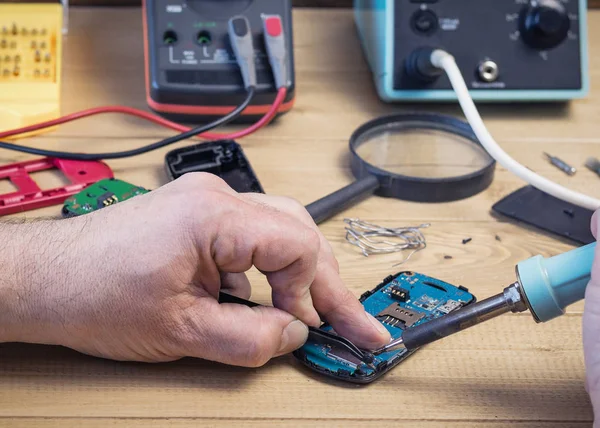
(374,239)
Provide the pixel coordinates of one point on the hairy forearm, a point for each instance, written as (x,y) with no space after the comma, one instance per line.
(34,266)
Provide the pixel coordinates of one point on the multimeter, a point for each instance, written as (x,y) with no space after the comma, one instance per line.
(191,70)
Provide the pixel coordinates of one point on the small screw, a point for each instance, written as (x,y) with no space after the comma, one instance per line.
(43,45)
(38,56)
(467,240)
(3,44)
(16,71)
(33,44)
(48,57)
(13,45)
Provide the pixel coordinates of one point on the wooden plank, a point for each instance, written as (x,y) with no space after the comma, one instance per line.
(511,369)
(268,423)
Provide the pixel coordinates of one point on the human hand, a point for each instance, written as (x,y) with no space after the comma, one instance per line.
(140,280)
(591,328)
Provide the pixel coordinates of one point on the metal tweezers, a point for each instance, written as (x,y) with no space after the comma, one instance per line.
(315,334)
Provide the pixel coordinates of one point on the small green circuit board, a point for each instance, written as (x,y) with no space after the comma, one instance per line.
(100,195)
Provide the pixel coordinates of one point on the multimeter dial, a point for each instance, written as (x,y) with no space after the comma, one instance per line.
(544,24)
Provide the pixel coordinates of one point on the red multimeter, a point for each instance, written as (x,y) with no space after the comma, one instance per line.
(191,71)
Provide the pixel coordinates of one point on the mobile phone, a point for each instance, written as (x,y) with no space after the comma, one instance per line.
(399,302)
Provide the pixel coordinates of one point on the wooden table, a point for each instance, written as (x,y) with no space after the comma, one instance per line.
(510,370)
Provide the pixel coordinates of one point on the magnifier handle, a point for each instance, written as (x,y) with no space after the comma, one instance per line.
(330,205)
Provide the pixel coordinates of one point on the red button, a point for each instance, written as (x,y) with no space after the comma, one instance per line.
(274,27)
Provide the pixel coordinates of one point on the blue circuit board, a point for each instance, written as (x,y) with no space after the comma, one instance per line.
(401,301)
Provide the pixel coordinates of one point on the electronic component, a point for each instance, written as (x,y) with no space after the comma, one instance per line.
(449,306)
(426,302)
(100,195)
(332,360)
(191,68)
(29,195)
(225,159)
(30,63)
(502,46)
(397,316)
(399,293)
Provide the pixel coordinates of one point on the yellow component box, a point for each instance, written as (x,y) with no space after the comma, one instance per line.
(30,63)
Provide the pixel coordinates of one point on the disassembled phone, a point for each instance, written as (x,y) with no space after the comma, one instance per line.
(399,302)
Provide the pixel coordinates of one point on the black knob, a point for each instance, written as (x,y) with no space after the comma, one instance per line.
(544,24)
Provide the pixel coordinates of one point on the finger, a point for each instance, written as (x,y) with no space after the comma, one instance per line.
(595,221)
(242,336)
(236,284)
(279,245)
(331,298)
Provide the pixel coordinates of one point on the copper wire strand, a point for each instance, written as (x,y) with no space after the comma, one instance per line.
(374,239)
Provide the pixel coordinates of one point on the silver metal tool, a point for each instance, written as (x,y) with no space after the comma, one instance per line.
(560,164)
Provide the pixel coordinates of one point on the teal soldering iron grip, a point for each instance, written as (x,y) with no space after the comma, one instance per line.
(549,285)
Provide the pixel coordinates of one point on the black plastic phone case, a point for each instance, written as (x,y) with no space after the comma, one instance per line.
(538,209)
(225,159)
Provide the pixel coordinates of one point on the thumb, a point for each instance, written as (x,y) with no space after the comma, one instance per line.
(595,219)
(238,335)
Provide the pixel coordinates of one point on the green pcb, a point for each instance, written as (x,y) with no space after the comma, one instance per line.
(100,195)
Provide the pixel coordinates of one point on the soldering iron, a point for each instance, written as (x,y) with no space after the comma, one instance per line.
(544,287)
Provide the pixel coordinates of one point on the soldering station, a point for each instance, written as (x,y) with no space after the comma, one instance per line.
(213,62)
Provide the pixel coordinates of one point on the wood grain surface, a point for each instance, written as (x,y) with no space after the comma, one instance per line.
(511,370)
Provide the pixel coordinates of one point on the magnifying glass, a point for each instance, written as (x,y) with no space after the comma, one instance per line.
(419,157)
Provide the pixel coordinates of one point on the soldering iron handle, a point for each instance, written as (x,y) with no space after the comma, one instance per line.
(329,206)
(551,284)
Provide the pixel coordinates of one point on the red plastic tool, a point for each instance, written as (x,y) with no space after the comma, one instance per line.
(30,196)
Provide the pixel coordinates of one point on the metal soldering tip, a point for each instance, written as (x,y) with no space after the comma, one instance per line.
(393,345)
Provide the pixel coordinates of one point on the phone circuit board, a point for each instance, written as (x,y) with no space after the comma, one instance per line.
(399,302)
(99,195)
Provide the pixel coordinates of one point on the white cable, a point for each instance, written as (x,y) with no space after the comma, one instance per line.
(445,61)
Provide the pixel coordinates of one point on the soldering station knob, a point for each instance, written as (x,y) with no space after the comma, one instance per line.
(544,24)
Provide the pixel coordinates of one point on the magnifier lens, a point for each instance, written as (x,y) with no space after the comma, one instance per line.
(423,153)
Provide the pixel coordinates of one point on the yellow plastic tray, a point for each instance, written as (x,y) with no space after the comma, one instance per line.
(30,63)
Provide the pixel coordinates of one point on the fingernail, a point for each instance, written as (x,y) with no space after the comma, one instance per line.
(377,325)
(294,336)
